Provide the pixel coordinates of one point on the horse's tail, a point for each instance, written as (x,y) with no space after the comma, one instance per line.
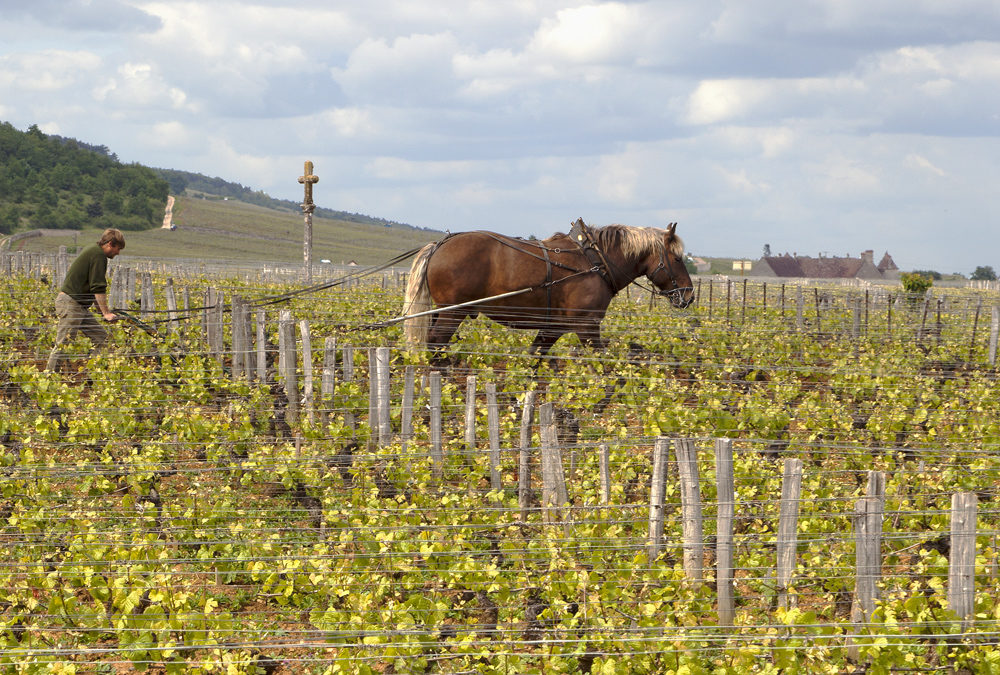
(418,299)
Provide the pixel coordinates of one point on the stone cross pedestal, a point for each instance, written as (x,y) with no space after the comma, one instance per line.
(307,180)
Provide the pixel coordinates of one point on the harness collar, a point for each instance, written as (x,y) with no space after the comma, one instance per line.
(582,237)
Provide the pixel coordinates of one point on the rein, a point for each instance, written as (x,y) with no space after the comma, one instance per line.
(268,299)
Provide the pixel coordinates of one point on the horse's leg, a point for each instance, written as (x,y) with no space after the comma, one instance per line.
(543,342)
(590,335)
(541,345)
(442,329)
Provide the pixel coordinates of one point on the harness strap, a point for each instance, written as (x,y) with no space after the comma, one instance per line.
(583,238)
(548,283)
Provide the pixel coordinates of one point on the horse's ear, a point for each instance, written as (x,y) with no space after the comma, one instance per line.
(670,228)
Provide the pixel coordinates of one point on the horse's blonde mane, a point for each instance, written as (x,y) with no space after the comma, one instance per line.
(637,241)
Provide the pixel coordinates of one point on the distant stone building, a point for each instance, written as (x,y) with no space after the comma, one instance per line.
(826,267)
(701,265)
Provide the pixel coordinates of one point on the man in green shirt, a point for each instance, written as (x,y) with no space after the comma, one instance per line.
(86,283)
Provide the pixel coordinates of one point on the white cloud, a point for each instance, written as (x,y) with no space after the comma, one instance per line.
(723,100)
(139,85)
(351,122)
(921,162)
(413,69)
(589,34)
(617,180)
(47,71)
(85,15)
(172,134)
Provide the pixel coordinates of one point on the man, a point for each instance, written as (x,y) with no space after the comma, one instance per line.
(86,283)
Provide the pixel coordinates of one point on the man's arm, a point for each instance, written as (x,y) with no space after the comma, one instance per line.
(102,305)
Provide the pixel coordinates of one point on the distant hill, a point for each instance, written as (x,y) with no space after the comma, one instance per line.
(195,184)
(54,182)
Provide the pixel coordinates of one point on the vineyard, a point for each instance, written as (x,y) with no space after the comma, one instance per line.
(780,478)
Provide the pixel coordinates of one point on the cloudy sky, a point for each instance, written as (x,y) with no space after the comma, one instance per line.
(811,125)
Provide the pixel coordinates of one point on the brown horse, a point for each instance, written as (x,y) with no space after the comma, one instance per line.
(559,285)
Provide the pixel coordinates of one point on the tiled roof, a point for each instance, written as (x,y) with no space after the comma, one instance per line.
(815,268)
(887,263)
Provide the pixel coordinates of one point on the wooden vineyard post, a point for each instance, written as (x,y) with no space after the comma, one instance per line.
(147,302)
(975,325)
(866,313)
(729,298)
(307,371)
(406,414)
(691,517)
(286,350)
(819,327)
(246,335)
(130,285)
(657,497)
(261,346)
(876,485)
(743,306)
(493,425)
(171,299)
(382,394)
(328,379)
(962,559)
(218,324)
(214,310)
(868,556)
(524,461)
(888,318)
(605,469)
(372,399)
(554,494)
(788,521)
(437,454)
(470,416)
(923,318)
(239,349)
(799,308)
(938,327)
(726,500)
(347,370)
(208,298)
(62,266)
(994,334)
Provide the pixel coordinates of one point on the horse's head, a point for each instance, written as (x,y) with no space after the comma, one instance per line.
(667,270)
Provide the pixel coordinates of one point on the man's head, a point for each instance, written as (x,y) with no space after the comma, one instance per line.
(111,242)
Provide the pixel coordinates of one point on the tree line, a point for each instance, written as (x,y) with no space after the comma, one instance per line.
(48,181)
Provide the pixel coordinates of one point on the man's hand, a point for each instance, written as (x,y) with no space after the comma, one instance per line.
(102,307)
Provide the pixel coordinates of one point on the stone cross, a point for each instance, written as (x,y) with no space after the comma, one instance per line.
(307,180)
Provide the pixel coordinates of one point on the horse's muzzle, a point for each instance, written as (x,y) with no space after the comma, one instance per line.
(680,297)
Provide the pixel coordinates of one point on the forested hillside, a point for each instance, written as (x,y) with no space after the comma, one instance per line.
(54,182)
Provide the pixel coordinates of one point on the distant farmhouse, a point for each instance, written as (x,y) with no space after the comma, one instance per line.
(826,267)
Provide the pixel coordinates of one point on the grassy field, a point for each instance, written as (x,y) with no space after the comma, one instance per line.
(233,230)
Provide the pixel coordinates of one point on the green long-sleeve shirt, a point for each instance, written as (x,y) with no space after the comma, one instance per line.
(87,275)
